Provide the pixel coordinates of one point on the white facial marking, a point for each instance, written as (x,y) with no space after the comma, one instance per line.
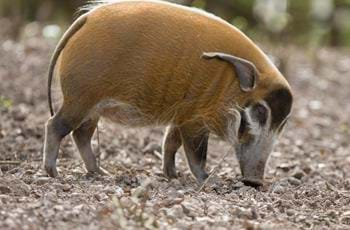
(255,127)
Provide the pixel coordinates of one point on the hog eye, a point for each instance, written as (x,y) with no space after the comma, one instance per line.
(260,113)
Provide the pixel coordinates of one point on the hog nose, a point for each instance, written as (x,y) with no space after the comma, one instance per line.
(253,182)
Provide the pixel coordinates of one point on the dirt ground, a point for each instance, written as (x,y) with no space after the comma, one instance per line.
(307,179)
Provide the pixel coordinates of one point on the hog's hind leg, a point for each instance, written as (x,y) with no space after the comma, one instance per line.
(171,143)
(82,138)
(60,125)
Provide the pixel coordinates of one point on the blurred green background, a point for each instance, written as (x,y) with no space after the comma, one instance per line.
(303,22)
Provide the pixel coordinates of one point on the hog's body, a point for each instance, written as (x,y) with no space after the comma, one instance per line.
(139,63)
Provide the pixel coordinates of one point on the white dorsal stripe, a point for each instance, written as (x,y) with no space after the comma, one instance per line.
(93,5)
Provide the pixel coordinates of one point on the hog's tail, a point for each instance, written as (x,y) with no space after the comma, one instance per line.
(61,44)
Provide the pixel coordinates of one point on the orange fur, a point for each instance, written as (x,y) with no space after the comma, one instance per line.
(147,55)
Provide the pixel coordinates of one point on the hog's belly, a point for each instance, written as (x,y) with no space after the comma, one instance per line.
(126,114)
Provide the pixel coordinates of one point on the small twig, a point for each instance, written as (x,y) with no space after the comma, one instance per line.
(157,154)
(98,154)
(10,162)
(213,171)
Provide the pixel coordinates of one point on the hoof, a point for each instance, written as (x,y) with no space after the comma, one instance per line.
(202,178)
(255,183)
(99,171)
(51,170)
(170,173)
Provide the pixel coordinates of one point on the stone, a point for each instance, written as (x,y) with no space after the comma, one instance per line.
(5,189)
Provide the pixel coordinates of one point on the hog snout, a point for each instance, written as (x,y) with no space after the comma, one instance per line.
(253,168)
(253,175)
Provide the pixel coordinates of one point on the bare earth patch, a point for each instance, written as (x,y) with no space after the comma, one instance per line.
(307,179)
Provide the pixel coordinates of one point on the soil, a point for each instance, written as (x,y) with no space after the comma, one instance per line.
(307,182)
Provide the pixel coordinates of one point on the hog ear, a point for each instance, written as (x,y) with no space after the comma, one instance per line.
(246,71)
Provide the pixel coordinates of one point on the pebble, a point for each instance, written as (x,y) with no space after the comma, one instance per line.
(300,218)
(175,183)
(346,184)
(298,174)
(51,196)
(42,180)
(126,202)
(29,172)
(109,190)
(244,213)
(100,196)
(213,209)
(10,222)
(237,185)
(294,181)
(345,220)
(278,189)
(140,192)
(327,203)
(63,187)
(171,201)
(176,211)
(245,189)
(58,208)
(4,189)
(347,213)
(332,214)
(255,213)
(290,212)
(66,188)
(4,199)
(192,208)
(119,191)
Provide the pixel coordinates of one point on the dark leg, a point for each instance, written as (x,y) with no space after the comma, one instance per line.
(82,138)
(56,129)
(171,143)
(196,147)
